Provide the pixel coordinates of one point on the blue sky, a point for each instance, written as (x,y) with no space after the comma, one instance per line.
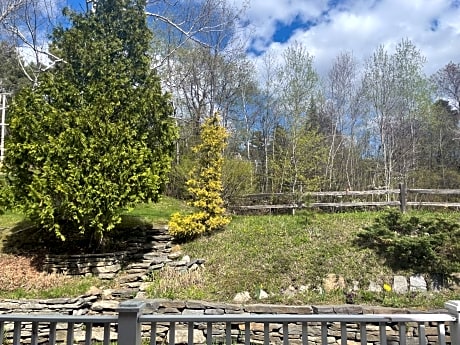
(328,27)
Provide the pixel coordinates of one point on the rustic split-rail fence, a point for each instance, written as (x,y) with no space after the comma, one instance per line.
(401,197)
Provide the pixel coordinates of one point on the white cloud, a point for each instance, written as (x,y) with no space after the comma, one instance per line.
(361,26)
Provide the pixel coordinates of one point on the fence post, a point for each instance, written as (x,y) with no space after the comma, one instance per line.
(402,197)
(453,308)
(129,327)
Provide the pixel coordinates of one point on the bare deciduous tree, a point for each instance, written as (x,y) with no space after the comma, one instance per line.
(28,23)
(342,114)
(398,96)
(447,81)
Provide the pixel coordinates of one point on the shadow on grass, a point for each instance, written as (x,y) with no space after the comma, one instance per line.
(29,240)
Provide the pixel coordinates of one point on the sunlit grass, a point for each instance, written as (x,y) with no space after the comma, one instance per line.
(66,287)
(277,252)
(158,213)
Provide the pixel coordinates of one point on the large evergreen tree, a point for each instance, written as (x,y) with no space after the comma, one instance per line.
(95,136)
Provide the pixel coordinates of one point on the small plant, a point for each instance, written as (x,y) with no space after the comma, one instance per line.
(411,243)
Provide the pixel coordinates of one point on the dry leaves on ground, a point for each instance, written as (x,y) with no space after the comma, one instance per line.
(18,272)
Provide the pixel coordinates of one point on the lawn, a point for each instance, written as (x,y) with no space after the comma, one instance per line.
(275,253)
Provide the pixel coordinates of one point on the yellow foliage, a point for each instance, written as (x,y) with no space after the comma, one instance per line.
(205,185)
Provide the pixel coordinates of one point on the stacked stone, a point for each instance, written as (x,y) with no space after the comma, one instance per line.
(143,255)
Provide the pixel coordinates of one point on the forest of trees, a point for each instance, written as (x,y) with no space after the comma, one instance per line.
(360,126)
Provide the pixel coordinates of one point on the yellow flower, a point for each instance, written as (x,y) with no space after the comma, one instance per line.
(386,287)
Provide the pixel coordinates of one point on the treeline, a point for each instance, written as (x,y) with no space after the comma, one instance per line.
(362,125)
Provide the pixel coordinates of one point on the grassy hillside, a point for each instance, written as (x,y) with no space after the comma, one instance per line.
(274,253)
(280,253)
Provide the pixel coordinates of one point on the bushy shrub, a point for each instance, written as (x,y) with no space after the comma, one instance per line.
(95,136)
(204,186)
(411,243)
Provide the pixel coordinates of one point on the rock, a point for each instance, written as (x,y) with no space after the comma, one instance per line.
(214,311)
(277,309)
(290,291)
(193,267)
(181,336)
(174,255)
(141,295)
(355,285)
(128,278)
(374,287)
(193,312)
(323,309)
(348,309)
(303,288)
(144,286)
(262,294)
(333,282)
(176,248)
(417,283)
(134,285)
(117,294)
(106,276)
(94,291)
(400,284)
(242,297)
(105,305)
(106,269)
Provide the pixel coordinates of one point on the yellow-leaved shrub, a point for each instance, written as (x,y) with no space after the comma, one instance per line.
(204,185)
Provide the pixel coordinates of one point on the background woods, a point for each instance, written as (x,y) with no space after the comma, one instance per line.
(369,122)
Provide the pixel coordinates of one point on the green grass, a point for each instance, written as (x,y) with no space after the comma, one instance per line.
(72,287)
(160,212)
(274,252)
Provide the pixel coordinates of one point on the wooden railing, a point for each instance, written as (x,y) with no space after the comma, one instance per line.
(401,197)
(134,327)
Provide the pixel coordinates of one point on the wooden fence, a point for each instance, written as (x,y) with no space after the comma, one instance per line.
(401,197)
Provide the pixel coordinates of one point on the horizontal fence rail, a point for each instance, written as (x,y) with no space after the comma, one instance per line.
(135,328)
(401,197)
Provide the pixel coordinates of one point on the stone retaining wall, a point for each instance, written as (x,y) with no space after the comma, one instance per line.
(93,305)
(157,242)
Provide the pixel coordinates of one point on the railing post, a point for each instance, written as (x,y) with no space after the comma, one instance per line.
(402,197)
(453,308)
(129,327)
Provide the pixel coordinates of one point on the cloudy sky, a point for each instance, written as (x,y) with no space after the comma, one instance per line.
(328,27)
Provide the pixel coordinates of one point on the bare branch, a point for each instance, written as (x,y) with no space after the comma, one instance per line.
(9,7)
(190,34)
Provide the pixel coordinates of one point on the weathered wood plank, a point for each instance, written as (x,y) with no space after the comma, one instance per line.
(353,204)
(433,204)
(316,204)
(329,193)
(434,191)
